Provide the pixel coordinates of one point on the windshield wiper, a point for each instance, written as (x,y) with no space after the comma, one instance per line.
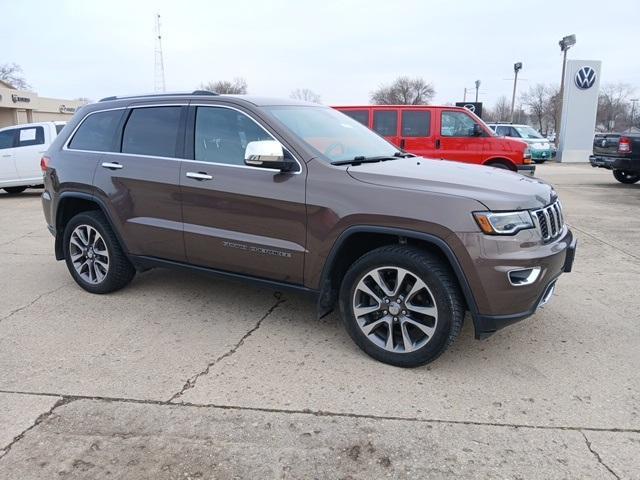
(362,159)
(403,154)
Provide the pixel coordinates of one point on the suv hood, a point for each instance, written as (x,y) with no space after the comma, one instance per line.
(497,189)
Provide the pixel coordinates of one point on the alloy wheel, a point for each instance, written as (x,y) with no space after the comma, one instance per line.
(395,309)
(89,254)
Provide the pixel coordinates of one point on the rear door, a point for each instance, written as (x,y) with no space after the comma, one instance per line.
(139,183)
(457,140)
(386,123)
(8,172)
(416,135)
(29,149)
(237,218)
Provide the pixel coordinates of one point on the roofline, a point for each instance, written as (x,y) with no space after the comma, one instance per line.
(399,106)
(153,95)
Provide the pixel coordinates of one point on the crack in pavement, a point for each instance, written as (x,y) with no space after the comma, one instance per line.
(19,238)
(598,457)
(589,234)
(191,382)
(41,418)
(19,309)
(327,413)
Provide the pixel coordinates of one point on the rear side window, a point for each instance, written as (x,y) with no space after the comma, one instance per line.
(30,136)
(385,122)
(6,139)
(502,130)
(361,116)
(59,128)
(416,123)
(152,131)
(97,132)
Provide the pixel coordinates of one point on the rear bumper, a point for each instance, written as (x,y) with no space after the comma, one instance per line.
(562,262)
(615,163)
(526,169)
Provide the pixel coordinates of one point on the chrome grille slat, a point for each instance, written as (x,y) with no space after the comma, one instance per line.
(549,221)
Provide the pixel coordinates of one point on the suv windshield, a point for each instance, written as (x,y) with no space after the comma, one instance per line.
(335,136)
(526,131)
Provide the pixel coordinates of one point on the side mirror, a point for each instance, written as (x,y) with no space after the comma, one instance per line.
(267,154)
(477,130)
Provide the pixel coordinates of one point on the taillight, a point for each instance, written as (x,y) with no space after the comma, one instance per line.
(44,164)
(625,145)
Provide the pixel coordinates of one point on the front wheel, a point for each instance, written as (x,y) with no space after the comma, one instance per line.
(14,190)
(624,176)
(93,254)
(401,305)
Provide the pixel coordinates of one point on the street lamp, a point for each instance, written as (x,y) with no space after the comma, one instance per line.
(477,88)
(516,68)
(565,44)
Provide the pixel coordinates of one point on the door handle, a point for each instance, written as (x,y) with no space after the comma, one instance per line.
(402,142)
(199,176)
(112,165)
(438,143)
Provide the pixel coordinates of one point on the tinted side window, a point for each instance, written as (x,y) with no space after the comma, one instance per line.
(152,131)
(385,122)
(416,123)
(456,124)
(6,139)
(502,130)
(512,132)
(361,116)
(30,136)
(59,128)
(222,135)
(97,132)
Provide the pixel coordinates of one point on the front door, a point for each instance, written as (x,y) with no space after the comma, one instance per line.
(28,152)
(237,218)
(457,138)
(8,172)
(416,134)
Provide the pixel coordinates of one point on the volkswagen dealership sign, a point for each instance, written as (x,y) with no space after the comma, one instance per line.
(579,105)
(585,78)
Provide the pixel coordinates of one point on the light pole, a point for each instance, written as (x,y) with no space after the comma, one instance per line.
(516,68)
(477,88)
(565,44)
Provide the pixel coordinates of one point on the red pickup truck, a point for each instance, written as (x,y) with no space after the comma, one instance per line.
(450,133)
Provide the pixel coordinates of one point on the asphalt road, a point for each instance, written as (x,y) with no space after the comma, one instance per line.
(181,376)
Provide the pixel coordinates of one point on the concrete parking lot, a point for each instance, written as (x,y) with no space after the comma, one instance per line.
(182,376)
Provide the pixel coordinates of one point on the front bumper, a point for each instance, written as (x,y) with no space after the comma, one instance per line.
(541,155)
(526,169)
(615,163)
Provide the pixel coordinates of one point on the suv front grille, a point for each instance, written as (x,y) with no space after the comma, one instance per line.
(549,221)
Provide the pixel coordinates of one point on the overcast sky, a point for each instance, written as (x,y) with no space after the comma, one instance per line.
(340,49)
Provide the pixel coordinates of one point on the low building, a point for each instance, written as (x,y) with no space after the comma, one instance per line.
(21,106)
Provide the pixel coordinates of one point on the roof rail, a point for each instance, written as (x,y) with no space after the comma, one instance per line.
(168,94)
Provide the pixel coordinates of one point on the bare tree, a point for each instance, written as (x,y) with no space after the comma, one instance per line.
(12,74)
(502,109)
(537,101)
(404,91)
(614,105)
(553,110)
(237,86)
(306,95)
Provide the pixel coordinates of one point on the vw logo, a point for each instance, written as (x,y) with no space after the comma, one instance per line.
(470,106)
(585,78)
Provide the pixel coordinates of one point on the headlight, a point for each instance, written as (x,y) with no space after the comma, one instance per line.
(503,223)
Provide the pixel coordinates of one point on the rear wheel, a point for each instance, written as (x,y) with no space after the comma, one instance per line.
(93,254)
(624,176)
(14,190)
(401,305)
(500,165)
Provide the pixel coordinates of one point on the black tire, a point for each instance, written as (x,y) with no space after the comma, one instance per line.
(626,177)
(442,287)
(500,165)
(14,190)
(539,161)
(120,271)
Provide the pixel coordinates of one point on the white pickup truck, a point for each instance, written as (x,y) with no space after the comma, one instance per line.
(21,148)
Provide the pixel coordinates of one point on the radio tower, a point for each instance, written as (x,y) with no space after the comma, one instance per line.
(159,84)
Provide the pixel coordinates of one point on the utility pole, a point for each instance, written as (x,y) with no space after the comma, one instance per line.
(633,111)
(516,68)
(477,88)
(159,84)
(565,44)
(464,99)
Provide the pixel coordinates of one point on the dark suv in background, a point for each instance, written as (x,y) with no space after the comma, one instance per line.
(300,196)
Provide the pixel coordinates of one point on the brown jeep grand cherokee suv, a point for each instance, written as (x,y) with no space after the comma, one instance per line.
(301,196)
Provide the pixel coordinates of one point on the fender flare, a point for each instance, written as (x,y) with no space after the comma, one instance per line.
(513,165)
(400,232)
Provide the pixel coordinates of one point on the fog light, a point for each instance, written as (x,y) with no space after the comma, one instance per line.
(523,276)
